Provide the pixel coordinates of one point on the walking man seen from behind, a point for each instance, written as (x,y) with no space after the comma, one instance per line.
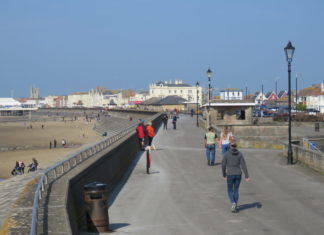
(233,164)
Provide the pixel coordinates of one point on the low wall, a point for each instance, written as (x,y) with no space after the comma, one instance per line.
(108,169)
(311,158)
(265,136)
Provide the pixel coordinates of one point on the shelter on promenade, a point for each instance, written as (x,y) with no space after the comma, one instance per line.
(230,112)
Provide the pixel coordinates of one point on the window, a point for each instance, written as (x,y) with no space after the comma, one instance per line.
(220,115)
(240,114)
(189,91)
(181,91)
(175,91)
(169,91)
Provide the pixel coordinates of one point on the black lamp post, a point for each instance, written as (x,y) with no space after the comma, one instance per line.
(262,93)
(209,75)
(197,86)
(296,93)
(289,50)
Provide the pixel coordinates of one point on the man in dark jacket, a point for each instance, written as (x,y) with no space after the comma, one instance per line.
(233,164)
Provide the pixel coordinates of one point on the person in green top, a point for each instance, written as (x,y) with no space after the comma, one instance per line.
(210,145)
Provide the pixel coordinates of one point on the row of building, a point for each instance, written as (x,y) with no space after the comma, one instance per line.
(179,92)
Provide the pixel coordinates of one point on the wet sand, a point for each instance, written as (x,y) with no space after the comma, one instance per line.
(34,142)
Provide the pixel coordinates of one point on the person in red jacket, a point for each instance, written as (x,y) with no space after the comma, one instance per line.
(150,134)
(140,130)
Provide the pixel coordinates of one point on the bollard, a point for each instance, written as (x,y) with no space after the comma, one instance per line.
(96,207)
(317,127)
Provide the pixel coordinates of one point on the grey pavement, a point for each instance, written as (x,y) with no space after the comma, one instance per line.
(306,130)
(183,195)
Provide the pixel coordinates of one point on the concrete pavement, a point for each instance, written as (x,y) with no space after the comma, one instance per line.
(183,195)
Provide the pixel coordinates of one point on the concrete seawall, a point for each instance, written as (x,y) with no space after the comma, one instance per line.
(311,158)
(66,194)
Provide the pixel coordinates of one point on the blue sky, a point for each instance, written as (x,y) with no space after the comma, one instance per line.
(64,46)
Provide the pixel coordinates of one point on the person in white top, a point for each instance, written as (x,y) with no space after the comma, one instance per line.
(225,139)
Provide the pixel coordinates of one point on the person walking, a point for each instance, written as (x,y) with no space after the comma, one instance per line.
(165,121)
(233,164)
(210,145)
(54,143)
(140,131)
(174,121)
(225,139)
(50,145)
(150,135)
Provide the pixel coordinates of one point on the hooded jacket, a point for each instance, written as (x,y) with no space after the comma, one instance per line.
(233,163)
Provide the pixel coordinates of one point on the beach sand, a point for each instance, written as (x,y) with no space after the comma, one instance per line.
(35,142)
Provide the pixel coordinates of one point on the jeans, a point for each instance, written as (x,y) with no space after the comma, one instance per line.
(225,147)
(210,153)
(233,184)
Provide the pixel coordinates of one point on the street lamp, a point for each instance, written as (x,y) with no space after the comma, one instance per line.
(296,93)
(209,75)
(289,50)
(197,86)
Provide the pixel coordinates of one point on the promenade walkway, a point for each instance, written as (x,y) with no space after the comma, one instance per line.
(183,195)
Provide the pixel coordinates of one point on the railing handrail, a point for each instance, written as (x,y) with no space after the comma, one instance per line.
(43,178)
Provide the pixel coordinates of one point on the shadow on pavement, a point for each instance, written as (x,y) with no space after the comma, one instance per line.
(115,226)
(249,206)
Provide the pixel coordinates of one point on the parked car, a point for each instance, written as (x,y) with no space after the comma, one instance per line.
(312,111)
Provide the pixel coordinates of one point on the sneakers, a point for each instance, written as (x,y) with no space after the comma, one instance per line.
(233,208)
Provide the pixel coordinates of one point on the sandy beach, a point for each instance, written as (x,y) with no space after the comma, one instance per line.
(19,141)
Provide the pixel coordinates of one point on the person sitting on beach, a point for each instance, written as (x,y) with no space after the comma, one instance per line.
(15,169)
(19,168)
(33,165)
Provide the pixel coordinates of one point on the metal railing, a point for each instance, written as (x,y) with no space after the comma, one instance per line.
(52,173)
(310,145)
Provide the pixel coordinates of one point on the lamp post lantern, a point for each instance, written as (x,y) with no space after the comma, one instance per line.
(209,75)
(197,111)
(289,50)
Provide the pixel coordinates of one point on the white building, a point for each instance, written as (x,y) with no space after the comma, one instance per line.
(138,98)
(93,98)
(313,97)
(178,88)
(50,101)
(259,98)
(231,94)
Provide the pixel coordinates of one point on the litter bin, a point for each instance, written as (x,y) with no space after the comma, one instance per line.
(317,127)
(96,206)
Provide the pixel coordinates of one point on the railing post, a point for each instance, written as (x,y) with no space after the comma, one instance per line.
(55,175)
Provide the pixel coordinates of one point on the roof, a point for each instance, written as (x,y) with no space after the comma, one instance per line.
(311,91)
(232,103)
(80,93)
(230,89)
(281,93)
(9,102)
(151,100)
(159,83)
(169,100)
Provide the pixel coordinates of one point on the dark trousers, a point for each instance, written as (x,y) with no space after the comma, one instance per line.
(165,125)
(233,184)
(150,139)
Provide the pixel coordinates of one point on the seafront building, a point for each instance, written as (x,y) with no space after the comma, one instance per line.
(312,97)
(231,94)
(93,98)
(177,88)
